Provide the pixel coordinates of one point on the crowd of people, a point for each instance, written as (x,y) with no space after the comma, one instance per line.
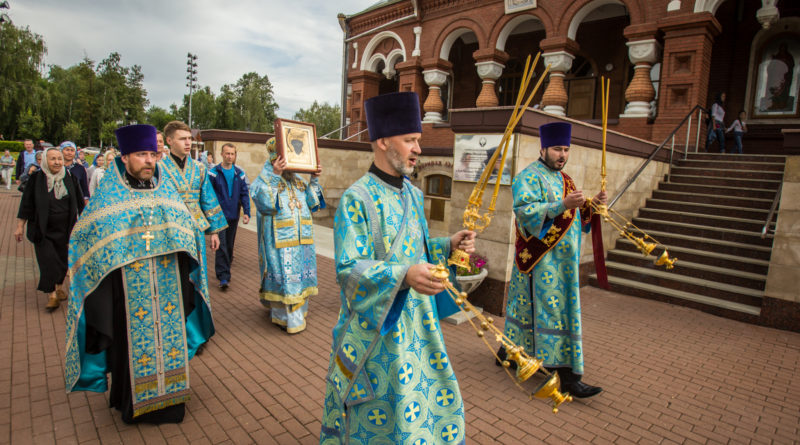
(132,230)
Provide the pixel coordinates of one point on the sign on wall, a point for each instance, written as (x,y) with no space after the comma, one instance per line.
(471,154)
(513,6)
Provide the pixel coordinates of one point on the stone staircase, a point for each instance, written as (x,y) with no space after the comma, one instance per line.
(709,215)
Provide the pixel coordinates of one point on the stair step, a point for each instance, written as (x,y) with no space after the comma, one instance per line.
(699,286)
(780,159)
(733,165)
(711,199)
(672,296)
(691,269)
(739,192)
(705,232)
(707,209)
(720,172)
(705,220)
(711,257)
(759,184)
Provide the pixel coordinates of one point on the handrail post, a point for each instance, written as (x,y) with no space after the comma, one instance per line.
(688,135)
(671,151)
(772,211)
(697,140)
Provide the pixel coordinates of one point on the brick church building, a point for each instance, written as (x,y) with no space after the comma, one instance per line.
(663,57)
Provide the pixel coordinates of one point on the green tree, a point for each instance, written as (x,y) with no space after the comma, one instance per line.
(21,54)
(30,125)
(107,133)
(227,114)
(326,117)
(158,117)
(255,103)
(72,131)
(204,109)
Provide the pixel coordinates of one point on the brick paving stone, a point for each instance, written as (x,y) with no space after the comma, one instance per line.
(671,374)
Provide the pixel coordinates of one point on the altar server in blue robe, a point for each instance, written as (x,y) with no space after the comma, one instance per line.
(131,300)
(390,379)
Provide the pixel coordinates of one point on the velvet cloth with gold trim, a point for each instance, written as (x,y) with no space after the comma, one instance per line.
(389,378)
(144,241)
(195,189)
(543,312)
(287,258)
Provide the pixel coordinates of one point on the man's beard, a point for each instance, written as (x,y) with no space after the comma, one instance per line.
(397,163)
(551,162)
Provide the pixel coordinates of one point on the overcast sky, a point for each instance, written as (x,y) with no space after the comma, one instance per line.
(298,43)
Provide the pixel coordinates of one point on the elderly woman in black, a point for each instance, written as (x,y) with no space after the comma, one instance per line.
(50,206)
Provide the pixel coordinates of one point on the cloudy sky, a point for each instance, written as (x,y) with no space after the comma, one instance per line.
(298,43)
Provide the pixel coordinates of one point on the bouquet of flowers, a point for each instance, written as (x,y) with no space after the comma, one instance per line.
(476,264)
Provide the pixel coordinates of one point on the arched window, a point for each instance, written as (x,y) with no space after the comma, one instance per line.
(777,78)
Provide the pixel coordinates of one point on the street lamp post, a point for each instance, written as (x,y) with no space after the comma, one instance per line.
(191,69)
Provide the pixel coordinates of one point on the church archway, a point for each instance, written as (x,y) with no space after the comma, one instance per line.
(519,38)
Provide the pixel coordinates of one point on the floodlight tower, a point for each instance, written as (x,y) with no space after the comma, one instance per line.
(191,69)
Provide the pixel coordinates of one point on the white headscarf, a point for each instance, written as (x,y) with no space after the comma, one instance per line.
(55,181)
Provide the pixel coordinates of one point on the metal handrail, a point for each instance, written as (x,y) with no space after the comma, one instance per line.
(324,136)
(772,211)
(670,137)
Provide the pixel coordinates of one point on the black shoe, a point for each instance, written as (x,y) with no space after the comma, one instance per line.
(581,390)
(223,284)
(200,349)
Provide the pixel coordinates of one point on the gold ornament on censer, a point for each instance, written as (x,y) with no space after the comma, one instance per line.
(527,366)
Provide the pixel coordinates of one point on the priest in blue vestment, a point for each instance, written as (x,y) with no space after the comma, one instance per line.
(390,379)
(543,312)
(131,300)
(286,256)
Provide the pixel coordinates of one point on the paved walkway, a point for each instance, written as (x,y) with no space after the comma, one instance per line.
(671,374)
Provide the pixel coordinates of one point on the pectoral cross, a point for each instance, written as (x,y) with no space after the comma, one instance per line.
(147,237)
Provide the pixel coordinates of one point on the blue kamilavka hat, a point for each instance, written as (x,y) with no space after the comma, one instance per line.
(555,134)
(393,114)
(133,138)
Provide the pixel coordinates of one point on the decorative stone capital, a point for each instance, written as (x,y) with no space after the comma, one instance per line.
(489,70)
(648,51)
(768,14)
(434,77)
(559,61)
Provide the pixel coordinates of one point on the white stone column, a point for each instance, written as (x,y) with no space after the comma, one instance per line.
(355,55)
(674,5)
(554,100)
(640,93)
(417,34)
(433,105)
(768,14)
(489,72)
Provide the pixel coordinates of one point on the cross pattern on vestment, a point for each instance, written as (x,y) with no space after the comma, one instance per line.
(438,361)
(174,353)
(445,397)
(349,352)
(144,360)
(377,417)
(164,261)
(137,266)
(358,392)
(147,237)
(141,313)
(547,277)
(429,322)
(169,307)
(412,411)
(405,373)
(450,432)
(525,255)
(408,247)
(552,301)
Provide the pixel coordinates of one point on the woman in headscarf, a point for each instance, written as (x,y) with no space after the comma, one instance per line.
(50,205)
(103,163)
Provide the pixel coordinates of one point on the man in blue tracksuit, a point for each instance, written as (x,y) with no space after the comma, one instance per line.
(230,186)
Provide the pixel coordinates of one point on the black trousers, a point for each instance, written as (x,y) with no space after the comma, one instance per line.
(224,255)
